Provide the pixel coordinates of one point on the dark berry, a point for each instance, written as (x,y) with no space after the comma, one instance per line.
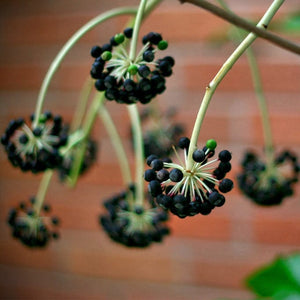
(128,32)
(198,155)
(148,56)
(157,164)
(225,166)
(150,175)
(129,85)
(23,139)
(184,143)
(162,175)
(144,71)
(155,188)
(224,156)
(176,175)
(96,51)
(150,158)
(110,82)
(225,185)
(37,131)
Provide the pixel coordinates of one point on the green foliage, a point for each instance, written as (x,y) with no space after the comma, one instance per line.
(292,24)
(279,280)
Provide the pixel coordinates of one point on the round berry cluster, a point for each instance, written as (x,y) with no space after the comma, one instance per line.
(35,149)
(160,134)
(90,156)
(31,229)
(128,80)
(131,225)
(268,184)
(188,191)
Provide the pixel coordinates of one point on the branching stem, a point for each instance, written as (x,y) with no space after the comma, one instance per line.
(210,89)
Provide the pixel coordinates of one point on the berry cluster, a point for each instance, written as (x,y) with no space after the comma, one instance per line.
(129,81)
(188,191)
(31,229)
(35,149)
(160,132)
(268,184)
(131,225)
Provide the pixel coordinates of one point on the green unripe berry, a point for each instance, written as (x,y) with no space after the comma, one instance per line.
(106,55)
(42,119)
(132,69)
(211,144)
(162,45)
(119,38)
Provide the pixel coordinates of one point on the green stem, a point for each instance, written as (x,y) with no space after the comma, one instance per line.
(139,152)
(75,138)
(82,104)
(135,117)
(263,108)
(258,88)
(68,46)
(97,102)
(41,193)
(89,121)
(210,89)
(117,143)
(136,29)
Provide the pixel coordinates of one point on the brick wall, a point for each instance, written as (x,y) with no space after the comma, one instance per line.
(206,257)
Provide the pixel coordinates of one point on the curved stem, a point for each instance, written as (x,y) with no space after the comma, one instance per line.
(97,102)
(82,104)
(210,89)
(67,47)
(41,193)
(117,143)
(139,152)
(136,29)
(258,88)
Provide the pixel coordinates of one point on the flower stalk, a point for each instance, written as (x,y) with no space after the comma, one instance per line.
(211,88)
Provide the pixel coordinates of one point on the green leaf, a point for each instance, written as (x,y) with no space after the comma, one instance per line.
(281,277)
(292,23)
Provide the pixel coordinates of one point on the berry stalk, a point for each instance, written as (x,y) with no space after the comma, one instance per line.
(67,47)
(135,117)
(82,105)
(117,143)
(139,152)
(97,102)
(258,88)
(136,29)
(211,88)
(40,196)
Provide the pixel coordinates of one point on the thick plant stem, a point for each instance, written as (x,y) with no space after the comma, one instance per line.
(258,88)
(41,193)
(68,46)
(117,143)
(136,29)
(135,117)
(210,89)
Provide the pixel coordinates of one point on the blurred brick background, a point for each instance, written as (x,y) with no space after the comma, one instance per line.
(206,257)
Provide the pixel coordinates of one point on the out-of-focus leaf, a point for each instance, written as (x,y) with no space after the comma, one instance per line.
(281,277)
(292,23)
